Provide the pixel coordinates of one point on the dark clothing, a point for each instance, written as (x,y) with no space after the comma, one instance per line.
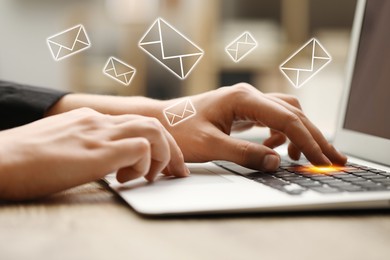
(22,104)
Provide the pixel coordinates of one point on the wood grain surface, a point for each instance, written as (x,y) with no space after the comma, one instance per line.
(90,222)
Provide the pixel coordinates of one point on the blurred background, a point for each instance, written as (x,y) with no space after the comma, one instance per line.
(116,26)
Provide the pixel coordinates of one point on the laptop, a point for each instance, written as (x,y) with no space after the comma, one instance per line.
(363,133)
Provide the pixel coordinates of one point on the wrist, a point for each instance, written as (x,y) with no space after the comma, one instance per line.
(113,105)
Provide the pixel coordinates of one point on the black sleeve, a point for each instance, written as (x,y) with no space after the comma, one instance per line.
(22,104)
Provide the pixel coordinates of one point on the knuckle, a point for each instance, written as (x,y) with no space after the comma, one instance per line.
(180,156)
(238,90)
(93,143)
(290,99)
(244,149)
(85,110)
(315,148)
(292,119)
(153,126)
(142,146)
(243,87)
(93,119)
(299,113)
(328,147)
(293,100)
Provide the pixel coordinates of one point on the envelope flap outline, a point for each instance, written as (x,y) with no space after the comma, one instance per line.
(298,74)
(249,39)
(176,57)
(313,48)
(244,38)
(68,42)
(120,68)
(241,46)
(119,71)
(301,59)
(68,38)
(181,108)
(182,45)
(319,51)
(152,35)
(179,112)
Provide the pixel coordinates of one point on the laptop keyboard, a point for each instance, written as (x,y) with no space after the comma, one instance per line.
(296,178)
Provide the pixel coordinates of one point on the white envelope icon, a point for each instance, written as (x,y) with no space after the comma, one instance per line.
(179,112)
(68,42)
(305,63)
(171,48)
(119,71)
(241,46)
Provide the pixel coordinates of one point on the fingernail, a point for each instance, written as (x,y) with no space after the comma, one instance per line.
(181,171)
(271,162)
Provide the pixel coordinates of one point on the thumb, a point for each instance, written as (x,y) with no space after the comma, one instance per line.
(248,154)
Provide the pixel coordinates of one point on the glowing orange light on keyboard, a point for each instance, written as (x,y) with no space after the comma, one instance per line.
(325,169)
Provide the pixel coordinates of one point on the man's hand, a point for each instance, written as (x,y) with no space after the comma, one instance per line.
(205,136)
(80,146)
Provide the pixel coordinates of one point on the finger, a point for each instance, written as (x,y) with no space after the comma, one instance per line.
(119,119)
(293,152)
(247,154)
(276,139)
(325,146)
(287,98)
(280,118)
(175,157)
(166,171)
(132,157)
(153,132)
(176,165)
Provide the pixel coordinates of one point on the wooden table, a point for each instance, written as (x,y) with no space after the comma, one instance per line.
(89,222)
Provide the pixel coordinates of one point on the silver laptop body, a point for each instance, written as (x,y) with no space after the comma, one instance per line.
(363,134)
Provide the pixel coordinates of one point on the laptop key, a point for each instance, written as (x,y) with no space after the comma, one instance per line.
(373,177)
(385,181)
(331,181)
(287,164)
(352,188)
(322,177)
(376,171)
(365,167)
(255,175)
(294,189)
(362,174)
(284,174)
(339,184)
(355,170)
(345,176)
(377,188)
(325,189)
(356,179)
(270,181)
(309,182)
(278,184)
(293,178)
(371,185)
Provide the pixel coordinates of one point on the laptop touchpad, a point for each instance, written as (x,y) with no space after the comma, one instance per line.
(198,176)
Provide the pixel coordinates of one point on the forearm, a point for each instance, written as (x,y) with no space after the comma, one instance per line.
(113,105)
(21,104)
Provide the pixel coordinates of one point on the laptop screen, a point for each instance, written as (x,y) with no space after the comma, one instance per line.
(368,109)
